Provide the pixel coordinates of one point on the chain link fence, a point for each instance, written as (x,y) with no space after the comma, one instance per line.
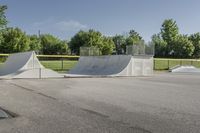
(58,63)
(89,51)
(140,49)
(65,63)
(166,64)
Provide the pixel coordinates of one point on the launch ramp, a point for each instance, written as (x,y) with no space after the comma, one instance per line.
(113,65)
(25,65)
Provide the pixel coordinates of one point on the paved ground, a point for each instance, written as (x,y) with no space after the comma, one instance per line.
(165,103)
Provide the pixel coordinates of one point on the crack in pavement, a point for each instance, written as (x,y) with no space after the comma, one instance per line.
(33,91)
(136,129)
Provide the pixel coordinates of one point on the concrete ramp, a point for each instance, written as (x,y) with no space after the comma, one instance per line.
(25,65)
(113,65)
(184,69)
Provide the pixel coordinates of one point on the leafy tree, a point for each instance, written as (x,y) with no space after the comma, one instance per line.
(149,48)
(169,30)
(1,38)
(108,46)
(182,47)
(94,38)
(77,41)
(160,45)
(90,38)
(170,43)
(61,47)
(169,33)
(35,44)
(13,40)
(195,38)
(3,20)
(133,38)
(52,45)
(120,43)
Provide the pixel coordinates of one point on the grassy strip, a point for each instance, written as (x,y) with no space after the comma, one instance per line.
(59,56)
(176,59)
(165,64)
(4,55)
(58,65)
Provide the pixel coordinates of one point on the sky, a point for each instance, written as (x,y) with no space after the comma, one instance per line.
(64,18)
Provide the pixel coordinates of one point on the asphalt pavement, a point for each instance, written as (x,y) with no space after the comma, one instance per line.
(162,103)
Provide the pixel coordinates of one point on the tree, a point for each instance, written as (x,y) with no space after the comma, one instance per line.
(169,30)
(91,38)
(169,33)
(108,46)
(170,43)
(35,44)
(13,40)
(195,38)
(133,38)
(61,47)
(182,47)
(77,41)
(150,48)
(120,43)
(94,38)
(160,45)
(52,45)
(3,20)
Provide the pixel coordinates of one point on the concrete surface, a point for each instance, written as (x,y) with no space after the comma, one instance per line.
(112,65)
(164,103)
(25,65)
(185,69)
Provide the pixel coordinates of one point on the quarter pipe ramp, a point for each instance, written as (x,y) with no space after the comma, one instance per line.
(113,65)
(25,65)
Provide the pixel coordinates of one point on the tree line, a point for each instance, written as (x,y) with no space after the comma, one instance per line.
(168,42)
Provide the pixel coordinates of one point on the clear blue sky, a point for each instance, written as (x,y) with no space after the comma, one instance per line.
(63,18)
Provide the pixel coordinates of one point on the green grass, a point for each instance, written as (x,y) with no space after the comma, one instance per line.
(58,65)
(165,64)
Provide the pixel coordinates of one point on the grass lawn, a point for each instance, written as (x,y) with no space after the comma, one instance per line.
(165,64)
(58,65)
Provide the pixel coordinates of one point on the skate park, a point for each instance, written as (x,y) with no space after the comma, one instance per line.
(89,66)
(126,99)
(123,104)
(135,63)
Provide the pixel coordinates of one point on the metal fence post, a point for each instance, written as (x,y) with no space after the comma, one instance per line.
(62,63)
(168,64)
(40,73)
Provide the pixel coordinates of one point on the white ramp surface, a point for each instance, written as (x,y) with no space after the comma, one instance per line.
(113,65)
(185,69)
(25,65)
